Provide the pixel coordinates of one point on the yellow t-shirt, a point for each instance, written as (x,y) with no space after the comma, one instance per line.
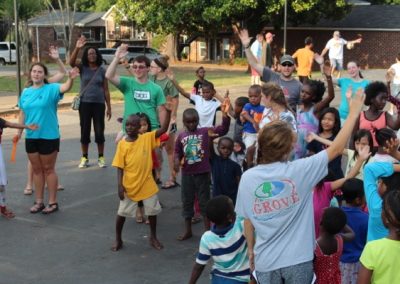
(382,256)
(135,159)
(305,57)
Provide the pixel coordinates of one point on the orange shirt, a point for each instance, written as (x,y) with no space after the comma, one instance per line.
(305,57)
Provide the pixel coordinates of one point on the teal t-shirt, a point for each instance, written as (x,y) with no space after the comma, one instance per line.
(141,98)
(40,107)
(344,84)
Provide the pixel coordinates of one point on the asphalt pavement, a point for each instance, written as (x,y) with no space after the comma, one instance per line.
(73,245)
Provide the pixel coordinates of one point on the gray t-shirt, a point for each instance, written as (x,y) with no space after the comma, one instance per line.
(94,93)
(291,88)
(277,198)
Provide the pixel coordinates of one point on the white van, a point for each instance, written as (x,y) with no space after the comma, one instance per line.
(7,52)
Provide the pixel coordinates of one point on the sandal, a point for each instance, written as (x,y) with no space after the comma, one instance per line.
(6,213)
(37,207)
(28,191)
(51,208)
(170,184)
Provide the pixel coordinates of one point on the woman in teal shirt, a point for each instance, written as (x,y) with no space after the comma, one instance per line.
(38,104)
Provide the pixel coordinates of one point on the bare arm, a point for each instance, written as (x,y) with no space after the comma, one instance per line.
(20,126)
(392,122)
(121,188)
(363,155)
(164,115)
(347,234)
(364,275)
(343,136)
(249,235)
(324,51)
(331,92)
(65,87)
(251,59)
(111,73)
(391,148)
(171,76)
(53,53)
(196,272)
(78,46)
(108,99)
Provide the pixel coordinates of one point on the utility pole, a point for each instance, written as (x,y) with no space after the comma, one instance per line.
(16,20)
(284,28)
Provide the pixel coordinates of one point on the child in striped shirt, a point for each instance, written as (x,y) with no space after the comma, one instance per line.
(225,243)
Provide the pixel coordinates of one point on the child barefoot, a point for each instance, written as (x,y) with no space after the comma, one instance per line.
(135,181)
(3,176)
(330,245)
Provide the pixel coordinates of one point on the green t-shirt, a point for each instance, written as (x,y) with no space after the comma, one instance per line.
(166,85)
(140,97)
(382,256)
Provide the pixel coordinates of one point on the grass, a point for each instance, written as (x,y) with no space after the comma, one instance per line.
(221,78)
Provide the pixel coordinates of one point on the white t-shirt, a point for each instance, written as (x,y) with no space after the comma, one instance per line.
(335,47)
(269,115)
(206,110)
(277,198)
(396,68)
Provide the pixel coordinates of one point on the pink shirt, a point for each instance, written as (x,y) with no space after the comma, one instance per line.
(321,199)
(372,125)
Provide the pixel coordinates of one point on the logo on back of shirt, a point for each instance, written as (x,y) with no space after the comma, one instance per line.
(273,198)
(142,95)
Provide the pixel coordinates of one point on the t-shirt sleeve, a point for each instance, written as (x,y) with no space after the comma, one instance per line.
(344,41)
(119,161)
(340,82)
(204,253)
(160,98)
(123,84)
(367,257)
(152,139)
(266,74)
(172,91)
(328,44)
(315,166)
(247,108)
(55,92)
(178,147)
(312,147)
(240,207)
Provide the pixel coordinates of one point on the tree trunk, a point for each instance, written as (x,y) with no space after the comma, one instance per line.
(25,54)
(170,47)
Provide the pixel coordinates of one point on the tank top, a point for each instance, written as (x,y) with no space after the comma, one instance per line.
(326,267)
(371,125)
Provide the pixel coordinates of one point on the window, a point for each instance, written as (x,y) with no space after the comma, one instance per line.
(13,47)
(59,33)
(3,46)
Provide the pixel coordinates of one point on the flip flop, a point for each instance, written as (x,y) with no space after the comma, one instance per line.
(170,184)
(51,208)
(28,191)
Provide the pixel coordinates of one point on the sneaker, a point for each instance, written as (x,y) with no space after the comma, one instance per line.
(84,163)
(101,162)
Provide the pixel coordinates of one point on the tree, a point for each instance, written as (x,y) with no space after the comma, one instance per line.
(26,10)
(211,16)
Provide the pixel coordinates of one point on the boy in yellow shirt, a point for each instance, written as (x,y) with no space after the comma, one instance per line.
(135,181)
(305,58)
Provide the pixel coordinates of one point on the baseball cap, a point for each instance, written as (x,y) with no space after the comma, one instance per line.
(287,58)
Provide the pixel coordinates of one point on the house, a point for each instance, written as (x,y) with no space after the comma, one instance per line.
(378,25)
(47,29)
(102,29)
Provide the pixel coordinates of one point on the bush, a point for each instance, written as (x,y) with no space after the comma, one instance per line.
(241,61)
(158,40)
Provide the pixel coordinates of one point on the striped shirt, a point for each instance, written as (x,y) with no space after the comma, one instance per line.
(228,249)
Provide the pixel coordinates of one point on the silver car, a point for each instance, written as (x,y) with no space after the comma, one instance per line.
(134,51)
(107,54)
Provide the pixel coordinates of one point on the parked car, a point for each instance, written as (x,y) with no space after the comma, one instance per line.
(107,54)
(134,51)
(7,52)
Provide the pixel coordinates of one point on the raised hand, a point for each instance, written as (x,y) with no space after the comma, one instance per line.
(53,52)
(122,51)
(310,137)
(170,74)
(244,36)
(318,58)
(357,102)
(73,73)
(81,42)
(327,68)
(364,153)
(349,93)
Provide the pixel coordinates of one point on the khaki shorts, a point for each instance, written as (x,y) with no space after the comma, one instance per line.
(128,207)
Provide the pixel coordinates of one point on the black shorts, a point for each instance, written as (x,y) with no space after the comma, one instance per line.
(42,146)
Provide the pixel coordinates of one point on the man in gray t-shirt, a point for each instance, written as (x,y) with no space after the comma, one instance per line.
(291,87)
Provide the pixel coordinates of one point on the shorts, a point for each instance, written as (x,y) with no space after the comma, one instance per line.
(349,272)
(296,274)
(336,63)
(249,139)
(42,146)
(128,207)
(195,185)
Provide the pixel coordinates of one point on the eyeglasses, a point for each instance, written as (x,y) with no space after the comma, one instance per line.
(140,67)
(287,64)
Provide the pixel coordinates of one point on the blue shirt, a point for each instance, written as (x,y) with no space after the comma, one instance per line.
(225,173)
(373,171)
(358,222)
(344,84)
(40,107)
(255,112)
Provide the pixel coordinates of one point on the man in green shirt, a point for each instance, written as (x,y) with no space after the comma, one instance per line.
(140,94)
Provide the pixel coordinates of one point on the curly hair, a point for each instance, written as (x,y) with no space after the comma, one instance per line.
(372,90)
(85,61)
(317,90)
